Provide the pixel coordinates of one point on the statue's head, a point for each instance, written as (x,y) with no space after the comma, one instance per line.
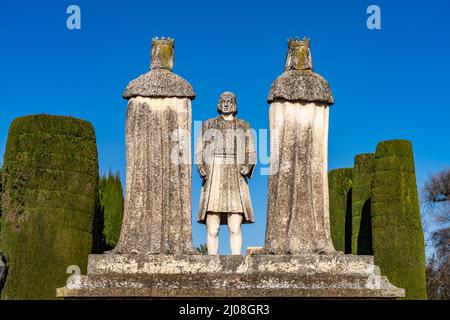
(162,55)
(227,103)
(299,55)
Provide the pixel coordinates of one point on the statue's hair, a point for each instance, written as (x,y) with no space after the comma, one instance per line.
(227,93)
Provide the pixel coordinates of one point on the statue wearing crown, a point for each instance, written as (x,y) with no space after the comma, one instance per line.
(225,157)
(298,209)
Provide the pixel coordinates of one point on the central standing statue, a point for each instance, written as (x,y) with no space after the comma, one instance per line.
(225,158)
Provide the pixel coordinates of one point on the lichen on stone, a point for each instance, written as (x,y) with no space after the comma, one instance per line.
(301,85)
(159,83)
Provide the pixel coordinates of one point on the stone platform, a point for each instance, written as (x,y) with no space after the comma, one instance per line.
(257,276)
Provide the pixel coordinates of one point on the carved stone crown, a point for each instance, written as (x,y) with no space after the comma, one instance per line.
(299,82)
(299,55)
(298,43)
(162,55)
(163,41)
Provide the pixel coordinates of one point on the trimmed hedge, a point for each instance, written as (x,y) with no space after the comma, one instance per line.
(361,200)
(398,240)
(340,186)
(50,184)
(1,193)
(111,206)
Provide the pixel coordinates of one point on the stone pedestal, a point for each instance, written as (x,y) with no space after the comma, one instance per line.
(258,276)
(154,257)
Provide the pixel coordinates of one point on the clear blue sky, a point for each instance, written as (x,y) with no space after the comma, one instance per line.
(387,84)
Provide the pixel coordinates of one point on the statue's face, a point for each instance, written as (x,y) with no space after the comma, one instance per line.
(227,104)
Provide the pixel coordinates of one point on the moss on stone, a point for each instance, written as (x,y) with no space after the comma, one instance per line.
(340,190)
(398,240)
(361,199)
(50,185)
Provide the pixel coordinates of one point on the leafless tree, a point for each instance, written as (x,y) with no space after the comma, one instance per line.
(436,193)
(437,189)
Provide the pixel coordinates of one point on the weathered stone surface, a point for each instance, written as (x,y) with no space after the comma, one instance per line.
(148,276)
(298,213)
(298,205)
(301,85)
(233,141)
(159,83)
(158,213)
(157,216)
(254,250)
(298,82)
(307,264)
(158,207)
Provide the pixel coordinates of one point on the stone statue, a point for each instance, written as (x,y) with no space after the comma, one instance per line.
(298,209)
(157,217)
(225,157)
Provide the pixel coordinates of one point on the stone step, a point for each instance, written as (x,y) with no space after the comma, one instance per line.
(192,264)
(201,285)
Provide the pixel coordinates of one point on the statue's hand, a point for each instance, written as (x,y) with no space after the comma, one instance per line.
(202,172)
(244,170)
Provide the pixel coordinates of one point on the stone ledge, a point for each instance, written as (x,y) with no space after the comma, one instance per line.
(198,276)
(188,264)
(227,286)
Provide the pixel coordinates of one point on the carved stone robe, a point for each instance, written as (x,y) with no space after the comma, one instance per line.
(223,150)
(158,213)
(298,213)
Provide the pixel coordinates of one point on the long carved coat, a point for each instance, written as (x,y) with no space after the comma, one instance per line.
(224,149)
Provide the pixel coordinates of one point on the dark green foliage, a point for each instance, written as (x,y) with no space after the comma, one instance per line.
(361,195)
(1,183)
(365,246)
(340,186)
(203,249)
(398,240)
(50,184)
(111,209)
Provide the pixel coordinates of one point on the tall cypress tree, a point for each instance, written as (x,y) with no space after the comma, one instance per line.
(340,185)
(1,193)
(111,207)
(50,183)
(361,200)
(398,240)
(1,197)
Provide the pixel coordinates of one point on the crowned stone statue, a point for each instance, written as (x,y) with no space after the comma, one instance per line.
(225,158)
(298,210)
(158,213)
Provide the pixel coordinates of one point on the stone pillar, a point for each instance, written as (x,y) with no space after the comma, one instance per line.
(158,214)
(298,205)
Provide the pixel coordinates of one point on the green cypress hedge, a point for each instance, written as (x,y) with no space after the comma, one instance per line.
(398,240)
(1,192)
(340,189)
(50,184)
(361,199)
(111,206)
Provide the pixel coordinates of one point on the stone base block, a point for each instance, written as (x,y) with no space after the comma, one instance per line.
(256,276)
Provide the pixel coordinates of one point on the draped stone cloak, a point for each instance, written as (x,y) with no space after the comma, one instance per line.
(298,209)
(158,212)
(223,149)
